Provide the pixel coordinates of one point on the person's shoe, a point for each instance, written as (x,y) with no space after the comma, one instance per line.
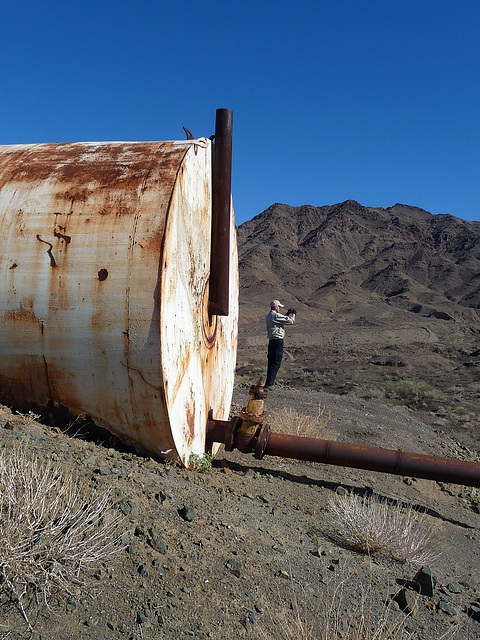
(269,388)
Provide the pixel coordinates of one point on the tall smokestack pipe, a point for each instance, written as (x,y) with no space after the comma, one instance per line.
(219,293)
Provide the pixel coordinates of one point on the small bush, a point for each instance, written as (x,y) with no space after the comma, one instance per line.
(412,392)
(200,463)
(372,525)
(54,531)
(27,419)
(290,422)
(362,623)
(362,615)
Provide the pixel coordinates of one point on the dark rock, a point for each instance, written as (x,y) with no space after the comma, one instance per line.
(250,620)
(454,587)
(447,608)
(251,615)
(424,582)
(140,532)
(157,543)
(126,506)
(407,601)
(143,570)
(141,617)
(473,611)
(234,567)
(187,514)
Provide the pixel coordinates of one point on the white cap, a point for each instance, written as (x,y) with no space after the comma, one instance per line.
(275,303)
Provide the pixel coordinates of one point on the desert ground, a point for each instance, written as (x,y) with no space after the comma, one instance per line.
(249,548)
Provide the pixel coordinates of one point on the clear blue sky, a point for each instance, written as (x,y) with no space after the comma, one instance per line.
(376,101)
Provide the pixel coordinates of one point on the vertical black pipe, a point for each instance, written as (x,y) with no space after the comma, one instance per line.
(219,293)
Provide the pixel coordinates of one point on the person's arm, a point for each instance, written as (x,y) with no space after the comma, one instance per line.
(280,318)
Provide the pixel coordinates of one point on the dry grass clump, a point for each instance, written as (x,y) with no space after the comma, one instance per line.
(342,617)
(26,419)
(288,421)
(361,623)
(372,525)
(360,615)
(54,531)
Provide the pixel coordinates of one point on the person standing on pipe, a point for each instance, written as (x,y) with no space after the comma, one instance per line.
(276,323)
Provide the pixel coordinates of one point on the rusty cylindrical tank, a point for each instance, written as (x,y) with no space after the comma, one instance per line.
(104,294)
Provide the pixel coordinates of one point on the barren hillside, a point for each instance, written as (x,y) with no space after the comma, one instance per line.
(387,299)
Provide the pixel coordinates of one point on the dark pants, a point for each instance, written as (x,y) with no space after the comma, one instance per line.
(275,355)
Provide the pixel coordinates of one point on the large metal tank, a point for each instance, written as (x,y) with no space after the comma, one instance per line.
(104,289)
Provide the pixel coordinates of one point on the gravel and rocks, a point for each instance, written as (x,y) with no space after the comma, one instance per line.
(246,549)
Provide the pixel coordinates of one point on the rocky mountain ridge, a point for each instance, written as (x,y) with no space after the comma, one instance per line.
(401,253)
(387,300)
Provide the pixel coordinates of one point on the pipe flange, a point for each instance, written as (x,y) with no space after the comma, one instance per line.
(252,417)
(230,433)
(258,392)
(262,441)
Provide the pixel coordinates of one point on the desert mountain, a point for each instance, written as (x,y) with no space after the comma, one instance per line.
(422,262)
(388,303)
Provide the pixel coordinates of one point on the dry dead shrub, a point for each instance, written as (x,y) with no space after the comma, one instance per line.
(362,615)
(372,525)
(288,421)
(342,616)
(26,419)
(54,530)
(361,622)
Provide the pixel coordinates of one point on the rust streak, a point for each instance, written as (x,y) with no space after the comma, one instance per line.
(47,378)
(49,251)
(130,368)
(62,236)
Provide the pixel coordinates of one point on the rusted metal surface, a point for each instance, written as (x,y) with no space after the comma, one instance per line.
(375,459)
(198,349)
(249,434)
(219,296)
(261,441)
(104,293)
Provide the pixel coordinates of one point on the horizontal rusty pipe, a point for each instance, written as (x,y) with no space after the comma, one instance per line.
(375,459)
(219,294)
(265,442)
